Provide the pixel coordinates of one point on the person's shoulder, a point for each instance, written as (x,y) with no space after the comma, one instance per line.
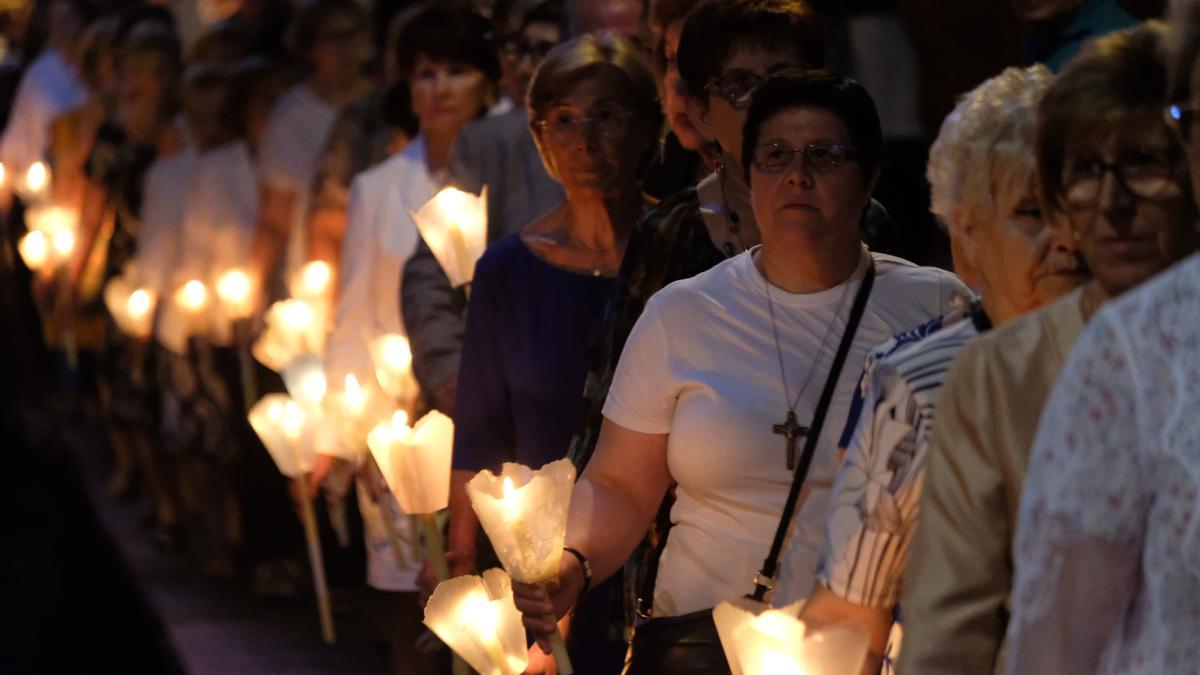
(665,218)
(687,296)
(898,271)
(502,254)
(496,129)
(398,168)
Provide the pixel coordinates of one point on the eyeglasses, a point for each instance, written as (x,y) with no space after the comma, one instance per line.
(737,86)
(1147,174)
(515,49)
(777,157)
(1181,117)
(566,124)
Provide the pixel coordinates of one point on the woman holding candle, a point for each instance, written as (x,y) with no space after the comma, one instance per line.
(330,36)
(1111,173)
(449,61)
(124,147)
(538,295)
(721,371)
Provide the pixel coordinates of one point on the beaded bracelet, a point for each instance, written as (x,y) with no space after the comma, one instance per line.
(587,568)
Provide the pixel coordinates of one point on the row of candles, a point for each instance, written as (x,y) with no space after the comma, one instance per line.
(523,511)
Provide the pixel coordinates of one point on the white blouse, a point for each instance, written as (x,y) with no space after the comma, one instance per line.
(1108,542)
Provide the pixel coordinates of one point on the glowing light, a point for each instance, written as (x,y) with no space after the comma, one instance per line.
(34,249)
(140,303)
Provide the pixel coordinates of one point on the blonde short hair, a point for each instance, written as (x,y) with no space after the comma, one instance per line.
(984,152)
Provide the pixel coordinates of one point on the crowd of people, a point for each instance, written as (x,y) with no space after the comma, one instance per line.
(699,286)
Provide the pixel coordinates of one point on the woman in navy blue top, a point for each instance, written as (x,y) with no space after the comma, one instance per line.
(539,295)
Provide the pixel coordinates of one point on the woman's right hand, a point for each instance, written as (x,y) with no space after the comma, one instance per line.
(541,606)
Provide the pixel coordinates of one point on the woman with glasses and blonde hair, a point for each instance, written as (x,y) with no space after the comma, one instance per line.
(538,295)
(1111,173)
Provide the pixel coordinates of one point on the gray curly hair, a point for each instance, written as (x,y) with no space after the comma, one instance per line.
(984,152)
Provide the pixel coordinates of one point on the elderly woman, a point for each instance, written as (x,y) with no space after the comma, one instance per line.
(538,295)
(1111,173)
(330,36)
(449,61)
(1113,499)
(983,178)
(722,369)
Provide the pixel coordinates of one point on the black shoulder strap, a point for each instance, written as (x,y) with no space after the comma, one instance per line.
(764,581)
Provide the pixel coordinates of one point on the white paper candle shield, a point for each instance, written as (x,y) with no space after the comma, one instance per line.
(313,282)
(304,377)
(34,248)
(294,327)
(358,408)
(454,226)
(776,642)
(524,513)
(132,308)
(392,357)
(476,617)
(284,430)
(415,461)
(55,227)
(34,183)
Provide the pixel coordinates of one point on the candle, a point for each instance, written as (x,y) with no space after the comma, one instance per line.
(282,426)
(34,250)
(476,617)
(454,225)
(304,377)
(524,514)
(354,397)
(760,641)
(392,357)
(315,280)
(64,243)
(37,180)
(233,289)
(192,295)
(132,308)
(3,175)
(415,461)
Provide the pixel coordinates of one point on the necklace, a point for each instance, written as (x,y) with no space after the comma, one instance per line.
(790,428)
(731,217)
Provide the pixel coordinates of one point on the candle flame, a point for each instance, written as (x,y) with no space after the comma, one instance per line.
(355,395)
(313,386)
(37,177)
(3,174)
(34,249)
(293,420)
(397,354)
(296,314)
(316,276)
(193,295)
(234,287)
(139,303)
(64,242)
(400,421)
(480,614)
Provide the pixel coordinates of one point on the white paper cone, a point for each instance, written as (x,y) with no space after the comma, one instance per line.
(475,616)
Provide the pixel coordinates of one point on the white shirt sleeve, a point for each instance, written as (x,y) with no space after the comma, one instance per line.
(643,392)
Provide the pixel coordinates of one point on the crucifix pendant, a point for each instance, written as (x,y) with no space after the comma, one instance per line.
(791,431)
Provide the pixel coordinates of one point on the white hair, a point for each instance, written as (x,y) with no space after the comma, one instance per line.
(984,151)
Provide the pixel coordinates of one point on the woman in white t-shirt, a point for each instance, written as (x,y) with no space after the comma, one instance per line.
(332,37)
(717,364)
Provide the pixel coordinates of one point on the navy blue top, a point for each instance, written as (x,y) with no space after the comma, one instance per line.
(529,328)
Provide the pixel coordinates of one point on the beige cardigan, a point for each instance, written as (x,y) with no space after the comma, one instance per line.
(959,574)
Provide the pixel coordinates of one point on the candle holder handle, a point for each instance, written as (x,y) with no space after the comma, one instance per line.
(316,561)
(558,647)
(435,545)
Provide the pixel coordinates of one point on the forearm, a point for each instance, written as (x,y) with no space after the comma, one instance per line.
(464,524)
(606,525)
(326,229)
(824,607)
(91,217)
(434,316)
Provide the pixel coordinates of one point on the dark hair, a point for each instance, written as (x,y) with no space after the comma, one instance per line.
(398,110)
(307,22)
(98,42)
(549,11)
(132,18)
(804,88)
(258,80)
(714,27)
(453,34)
(1111,77)
(663,13)
(165,46)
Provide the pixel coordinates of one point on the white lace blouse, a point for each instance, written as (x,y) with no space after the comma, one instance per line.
(1108,543)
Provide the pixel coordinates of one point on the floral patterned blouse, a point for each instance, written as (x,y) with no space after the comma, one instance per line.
(1108,542)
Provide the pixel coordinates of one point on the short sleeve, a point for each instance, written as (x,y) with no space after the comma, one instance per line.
(871,512)
(1084,507)
(642,396)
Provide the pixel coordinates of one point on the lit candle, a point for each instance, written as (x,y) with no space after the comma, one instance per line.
(193,295)
(759,641)
(233,289)
(314,279)
(454,225)
(281,425)
(392,357)
(477,618)
(3,175)
(64,243)
(34,250)
(304,377)
(37,179)
(354,397)
(415,461)
(524,514)
(132,308)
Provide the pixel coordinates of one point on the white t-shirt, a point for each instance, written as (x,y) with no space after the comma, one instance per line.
(296,133)
(701,365)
